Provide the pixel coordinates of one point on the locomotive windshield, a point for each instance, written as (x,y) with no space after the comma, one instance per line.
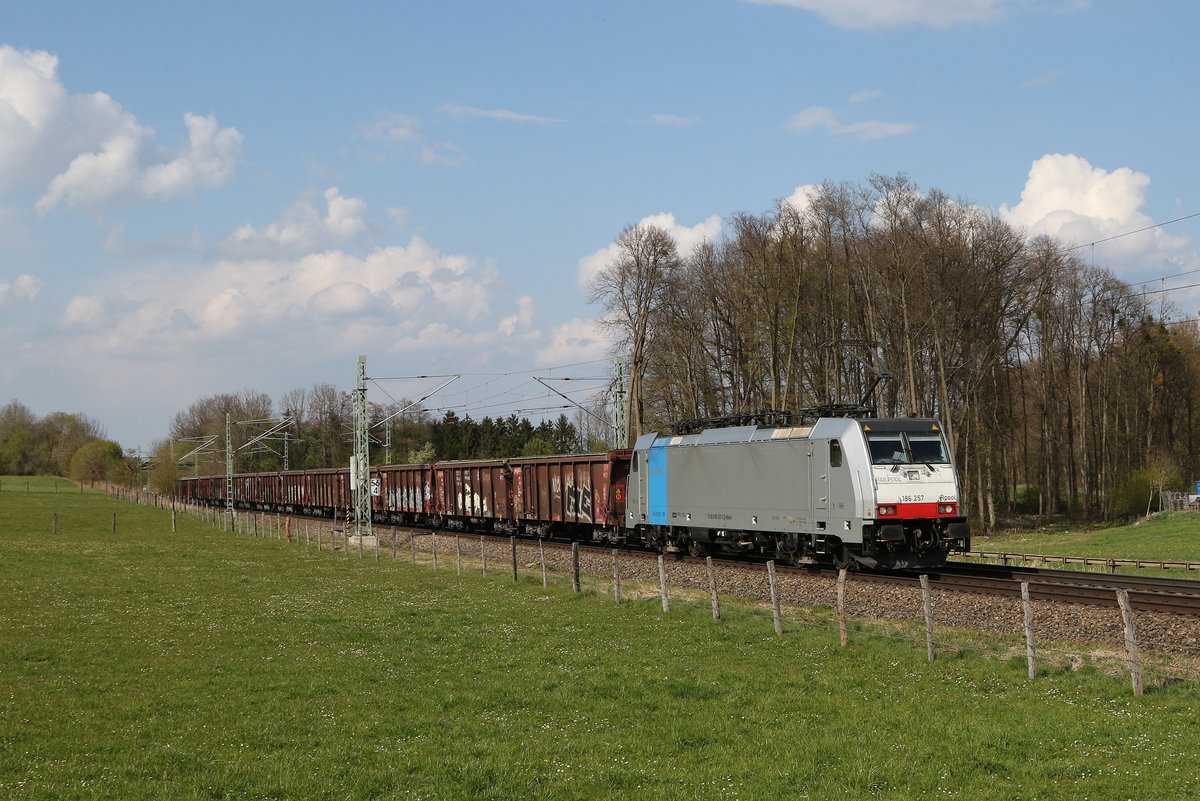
(900,447)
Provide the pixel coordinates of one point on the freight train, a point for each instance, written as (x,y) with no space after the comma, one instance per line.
(881,493)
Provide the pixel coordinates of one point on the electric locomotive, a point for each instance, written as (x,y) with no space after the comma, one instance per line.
(882,493)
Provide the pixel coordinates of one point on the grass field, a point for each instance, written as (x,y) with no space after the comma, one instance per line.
(1166,536)
(209,665)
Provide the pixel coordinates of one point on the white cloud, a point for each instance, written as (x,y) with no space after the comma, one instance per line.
(672,121)
(444,153)
(312,303)
(206,163)
(861,14)
(393,127)
(21,290)
(825,118)
(301,228)
(523,319)
(574,342)
(86,312)
(1068,198)
(500,114)
(85,150)
(685,237)
(801,200)
(398,215)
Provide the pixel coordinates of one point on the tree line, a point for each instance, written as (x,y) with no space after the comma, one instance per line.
(313,428)
(61,444)
(1061,390)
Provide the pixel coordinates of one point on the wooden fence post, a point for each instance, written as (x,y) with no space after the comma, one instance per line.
(616,576)
(575,585)
(1131,646)
(542,559)
(513,541)
(1027,609)
(54,524)
(843,636)
(483,555)
(458,554)
(412,545)
(927,603)
(776,616)
(393,543)
(712,589)
(174,527)
(662,583)
(114,523)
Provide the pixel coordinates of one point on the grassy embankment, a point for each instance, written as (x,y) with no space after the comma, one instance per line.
(204,664)
(1166,536)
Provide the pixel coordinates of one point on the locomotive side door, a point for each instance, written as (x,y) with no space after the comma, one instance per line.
(819,474)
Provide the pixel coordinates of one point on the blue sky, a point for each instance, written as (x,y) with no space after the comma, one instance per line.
(250,195)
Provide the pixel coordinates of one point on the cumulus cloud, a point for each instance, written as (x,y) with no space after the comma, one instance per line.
(20,291)
(802,199)
(309,303)
(523,319)
(862,14)
(301,228)
(1067,197)
(826,119)
(574,342)
(86,312)
(86,150)
(686,238)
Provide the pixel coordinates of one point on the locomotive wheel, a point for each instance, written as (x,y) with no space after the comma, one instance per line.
(842,559)
(696,548)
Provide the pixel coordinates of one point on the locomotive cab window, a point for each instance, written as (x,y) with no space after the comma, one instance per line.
(928,448)
(888,447)
(835,453)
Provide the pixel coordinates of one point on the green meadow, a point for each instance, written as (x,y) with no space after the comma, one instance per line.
(203,664)
(1165,536)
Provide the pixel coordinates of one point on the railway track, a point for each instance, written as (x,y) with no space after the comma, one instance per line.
(1153,594)
(1178,596)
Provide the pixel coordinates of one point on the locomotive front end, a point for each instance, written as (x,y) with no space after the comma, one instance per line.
(918,519)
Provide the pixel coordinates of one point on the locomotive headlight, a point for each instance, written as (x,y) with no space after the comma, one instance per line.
(947,508)
(886,511)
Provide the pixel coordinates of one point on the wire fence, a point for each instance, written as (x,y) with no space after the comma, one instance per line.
(1153,656)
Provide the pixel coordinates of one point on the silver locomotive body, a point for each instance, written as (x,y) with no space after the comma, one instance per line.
(879,492)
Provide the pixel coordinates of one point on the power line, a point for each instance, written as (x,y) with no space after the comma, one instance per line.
(1131,233)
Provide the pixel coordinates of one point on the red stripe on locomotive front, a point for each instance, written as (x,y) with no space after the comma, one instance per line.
(911,511)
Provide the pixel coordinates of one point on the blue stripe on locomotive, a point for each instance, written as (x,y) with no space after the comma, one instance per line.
(656,483)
